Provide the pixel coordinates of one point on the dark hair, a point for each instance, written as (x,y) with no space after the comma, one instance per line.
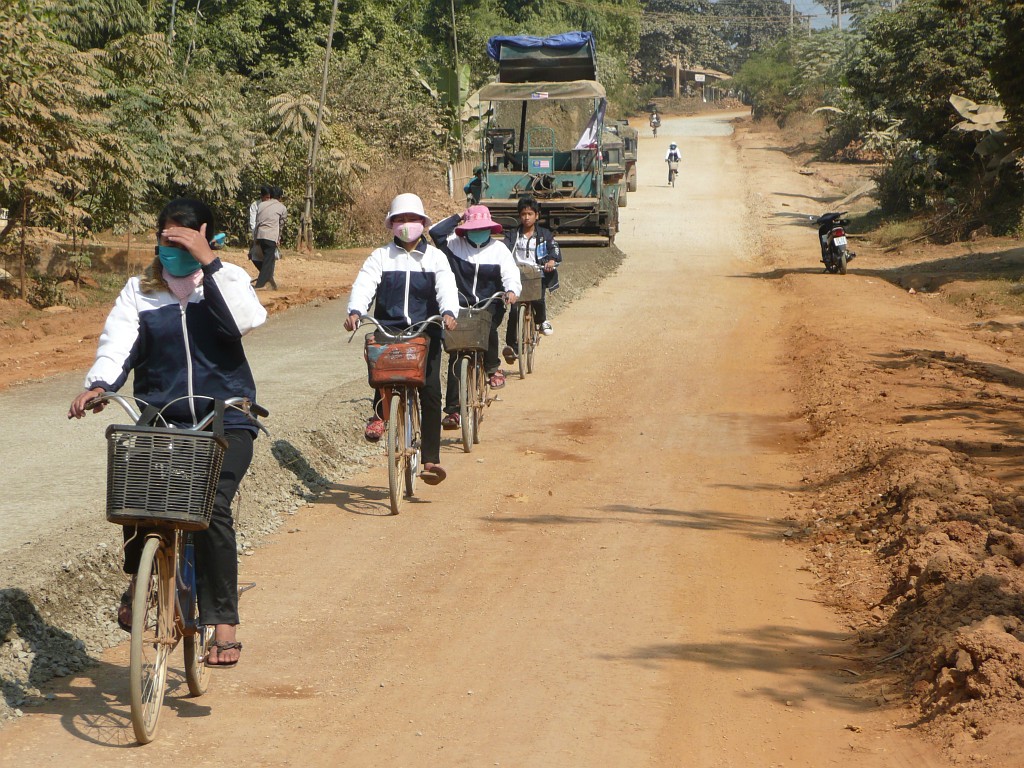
(528,202)
(188,213)
(276,192)
(266,191)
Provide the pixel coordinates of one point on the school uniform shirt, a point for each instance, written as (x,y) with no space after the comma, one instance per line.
(536,250)
(182,348)
(409,286)
(480,272)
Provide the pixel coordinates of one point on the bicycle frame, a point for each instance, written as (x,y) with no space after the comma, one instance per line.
(164,603)
(403,440)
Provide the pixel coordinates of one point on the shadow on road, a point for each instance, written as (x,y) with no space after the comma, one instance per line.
(698,520)
(804,661)
(90,697)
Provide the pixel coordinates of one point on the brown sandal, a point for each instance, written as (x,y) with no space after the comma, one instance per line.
(433,474)
(222,646)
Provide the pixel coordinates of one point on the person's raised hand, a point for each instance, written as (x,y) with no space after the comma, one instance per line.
(192,241)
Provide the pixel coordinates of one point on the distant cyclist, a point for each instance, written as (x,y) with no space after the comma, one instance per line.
(672,156)
(655,122)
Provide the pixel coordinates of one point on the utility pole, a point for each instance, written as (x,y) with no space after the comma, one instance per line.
(839,15)
(457,77)
(306,224)
(791,16)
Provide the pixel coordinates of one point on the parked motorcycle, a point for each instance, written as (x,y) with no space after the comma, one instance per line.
(835,254)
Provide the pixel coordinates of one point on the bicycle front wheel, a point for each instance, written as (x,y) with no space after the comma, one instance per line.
(480,399)
(396,450)
(532,340)
(466,410)
(152,636)
(412,438)
(523,314)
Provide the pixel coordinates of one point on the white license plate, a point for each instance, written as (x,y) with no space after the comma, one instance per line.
(839,241)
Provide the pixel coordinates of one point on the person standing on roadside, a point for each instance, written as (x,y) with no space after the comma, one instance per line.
(255,251)
(531,245)
(178,330)
(483,266)
(408,280)
(270,218)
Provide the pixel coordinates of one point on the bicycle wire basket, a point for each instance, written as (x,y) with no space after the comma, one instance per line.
(531,278)
(472,334)
(162,477)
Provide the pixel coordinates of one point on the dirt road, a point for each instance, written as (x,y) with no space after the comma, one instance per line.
(602,582)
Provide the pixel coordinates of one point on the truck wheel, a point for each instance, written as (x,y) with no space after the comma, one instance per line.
(631,181)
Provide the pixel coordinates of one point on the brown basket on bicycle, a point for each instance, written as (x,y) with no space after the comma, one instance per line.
(162,476)
(531,277)
(472,333)
(396,362)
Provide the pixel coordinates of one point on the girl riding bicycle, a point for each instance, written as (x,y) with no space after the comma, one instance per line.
(483,266)
(179,328)
(410,281)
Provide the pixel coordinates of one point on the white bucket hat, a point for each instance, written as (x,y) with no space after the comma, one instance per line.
(407,202)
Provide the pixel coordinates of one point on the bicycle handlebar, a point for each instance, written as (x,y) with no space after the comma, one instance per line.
(413,330)
(483,303)
(243,404)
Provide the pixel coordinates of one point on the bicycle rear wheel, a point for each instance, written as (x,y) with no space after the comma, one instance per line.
(396,450)
(153,636)
(412,437)
(523,314)
(197,645)
(467,413)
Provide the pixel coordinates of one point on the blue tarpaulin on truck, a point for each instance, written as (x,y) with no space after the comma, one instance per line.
(569,40)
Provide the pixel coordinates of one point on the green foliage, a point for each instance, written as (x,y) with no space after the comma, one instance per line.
(44,290)
(900,79)
(768,80)
(912,59)
(752,26)
(1006,62)
(78,262)
(687,30)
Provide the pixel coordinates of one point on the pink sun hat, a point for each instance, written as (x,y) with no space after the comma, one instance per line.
(478,217)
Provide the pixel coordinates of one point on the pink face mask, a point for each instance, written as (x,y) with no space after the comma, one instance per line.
(409,231)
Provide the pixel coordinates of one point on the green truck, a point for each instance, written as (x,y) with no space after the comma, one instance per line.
(630,141)
(544,137)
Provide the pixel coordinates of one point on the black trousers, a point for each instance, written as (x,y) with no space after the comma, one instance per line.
(492,361)
(266,267)
(216,557)
(430,403)
(540,314)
